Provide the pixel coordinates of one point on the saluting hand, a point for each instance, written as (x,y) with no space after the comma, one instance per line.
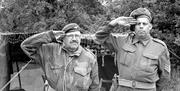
(125,21)
(59,35)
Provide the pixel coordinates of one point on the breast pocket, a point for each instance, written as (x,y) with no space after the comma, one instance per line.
(82,76)
(148,62)
(127,55)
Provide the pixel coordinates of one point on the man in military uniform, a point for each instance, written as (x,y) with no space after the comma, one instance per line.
(66,65)
(143,61)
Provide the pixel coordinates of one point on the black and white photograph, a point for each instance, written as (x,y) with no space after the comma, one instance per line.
(89,45)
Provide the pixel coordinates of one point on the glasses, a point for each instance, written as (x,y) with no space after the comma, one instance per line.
(73,35)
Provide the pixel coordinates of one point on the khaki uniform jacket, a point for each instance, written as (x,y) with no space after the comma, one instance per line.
(149,62)
(63,71)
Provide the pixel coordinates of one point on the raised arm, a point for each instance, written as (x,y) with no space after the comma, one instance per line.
(31,45)
(104,36)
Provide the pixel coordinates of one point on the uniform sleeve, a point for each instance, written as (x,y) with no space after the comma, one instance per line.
(31,45)
(104,36)
(95,78)
(164,70)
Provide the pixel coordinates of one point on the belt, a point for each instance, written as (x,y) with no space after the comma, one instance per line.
(136,84)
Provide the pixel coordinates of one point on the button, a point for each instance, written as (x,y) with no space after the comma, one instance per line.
(133,84)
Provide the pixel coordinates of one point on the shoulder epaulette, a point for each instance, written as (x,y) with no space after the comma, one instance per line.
(90,52)
(159,41)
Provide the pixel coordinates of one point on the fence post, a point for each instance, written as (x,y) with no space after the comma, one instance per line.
(4,69)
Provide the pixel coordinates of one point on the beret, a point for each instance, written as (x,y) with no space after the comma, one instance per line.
(141,11)
(71,27)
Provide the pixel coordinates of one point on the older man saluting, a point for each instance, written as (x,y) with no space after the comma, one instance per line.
(66,65)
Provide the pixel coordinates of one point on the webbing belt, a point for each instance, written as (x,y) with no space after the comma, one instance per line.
(136,84)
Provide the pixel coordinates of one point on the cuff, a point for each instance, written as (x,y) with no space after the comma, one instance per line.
(110,26)
(51,34)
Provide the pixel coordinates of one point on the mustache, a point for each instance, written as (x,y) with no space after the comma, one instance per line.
(140,31)
(74,41)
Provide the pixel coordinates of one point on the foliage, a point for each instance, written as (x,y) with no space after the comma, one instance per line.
(29,16)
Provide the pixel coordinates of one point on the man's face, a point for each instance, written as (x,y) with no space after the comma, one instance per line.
(72,40)
(143,27)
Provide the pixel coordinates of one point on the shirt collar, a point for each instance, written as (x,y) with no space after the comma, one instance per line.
(146,42)
(135,40)
(76,53)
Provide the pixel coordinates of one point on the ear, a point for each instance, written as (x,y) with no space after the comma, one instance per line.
(150,26)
